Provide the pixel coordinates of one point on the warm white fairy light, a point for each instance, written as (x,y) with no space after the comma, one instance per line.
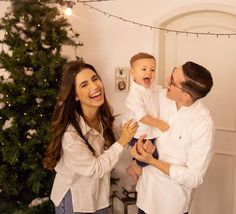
(68,11)
(69,6)
(177,32)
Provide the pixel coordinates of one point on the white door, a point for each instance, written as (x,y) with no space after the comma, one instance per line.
(217,194)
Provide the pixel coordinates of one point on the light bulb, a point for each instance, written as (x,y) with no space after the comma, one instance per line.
(68,11)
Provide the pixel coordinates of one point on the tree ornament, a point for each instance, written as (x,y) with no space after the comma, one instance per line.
(31,133)
(8,123)
(32,29)
(28,71)
(2,105)
(38,100)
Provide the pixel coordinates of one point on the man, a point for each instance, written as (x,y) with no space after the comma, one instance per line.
(185,150)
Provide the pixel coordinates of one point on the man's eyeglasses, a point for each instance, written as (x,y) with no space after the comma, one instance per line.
(172,82)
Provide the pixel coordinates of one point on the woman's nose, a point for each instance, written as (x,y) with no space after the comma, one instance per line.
(93,85)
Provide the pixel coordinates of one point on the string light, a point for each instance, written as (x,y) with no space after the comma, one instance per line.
(68,11)
(69,6)
(187,33)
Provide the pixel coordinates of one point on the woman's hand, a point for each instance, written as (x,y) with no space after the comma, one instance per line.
(127,132)
(139,153)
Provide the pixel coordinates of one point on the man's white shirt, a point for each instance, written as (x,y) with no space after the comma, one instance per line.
(188,147)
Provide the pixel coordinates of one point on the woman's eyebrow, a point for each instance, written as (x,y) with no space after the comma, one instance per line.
(83,82)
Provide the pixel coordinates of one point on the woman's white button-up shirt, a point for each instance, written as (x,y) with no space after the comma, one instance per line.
(86,175)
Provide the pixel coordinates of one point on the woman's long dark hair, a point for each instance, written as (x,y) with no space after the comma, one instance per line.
(66,112)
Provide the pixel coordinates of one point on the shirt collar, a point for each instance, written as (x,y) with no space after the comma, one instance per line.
(85,128)
(187,108)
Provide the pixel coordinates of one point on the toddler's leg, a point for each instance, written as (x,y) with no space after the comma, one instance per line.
(136,168)
(134,171)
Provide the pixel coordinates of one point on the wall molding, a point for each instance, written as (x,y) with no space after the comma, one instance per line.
(182,11)
(159,44)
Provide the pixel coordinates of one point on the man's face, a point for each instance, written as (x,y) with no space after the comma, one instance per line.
(143,71)
(174,88)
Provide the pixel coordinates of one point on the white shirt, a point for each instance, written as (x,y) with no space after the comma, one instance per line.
(188,147)
(141,102)
(86,175)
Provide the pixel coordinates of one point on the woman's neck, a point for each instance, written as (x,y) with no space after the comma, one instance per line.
(92,119)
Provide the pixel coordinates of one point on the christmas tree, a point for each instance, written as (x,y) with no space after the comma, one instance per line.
(31,60)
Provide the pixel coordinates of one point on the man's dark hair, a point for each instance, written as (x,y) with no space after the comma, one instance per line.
(198,80)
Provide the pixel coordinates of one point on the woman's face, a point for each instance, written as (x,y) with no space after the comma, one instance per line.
(89,89)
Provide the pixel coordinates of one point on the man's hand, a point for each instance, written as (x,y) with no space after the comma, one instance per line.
(138,151)
(140,154)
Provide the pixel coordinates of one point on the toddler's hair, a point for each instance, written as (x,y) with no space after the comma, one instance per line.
(140,55)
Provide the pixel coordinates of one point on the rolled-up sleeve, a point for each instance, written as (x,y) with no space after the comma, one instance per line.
(198,158)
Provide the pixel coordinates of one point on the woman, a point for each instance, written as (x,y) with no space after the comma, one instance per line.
(82,148)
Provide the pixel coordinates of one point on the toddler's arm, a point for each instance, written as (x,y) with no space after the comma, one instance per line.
(160,124)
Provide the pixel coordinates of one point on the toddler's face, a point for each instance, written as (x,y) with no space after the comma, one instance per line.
(143,71)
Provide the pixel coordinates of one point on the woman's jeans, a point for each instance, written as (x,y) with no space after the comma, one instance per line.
(66,207)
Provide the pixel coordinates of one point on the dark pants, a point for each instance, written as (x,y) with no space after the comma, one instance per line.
(142,212)
(155,153)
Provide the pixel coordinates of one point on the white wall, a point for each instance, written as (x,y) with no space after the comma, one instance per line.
(110,42)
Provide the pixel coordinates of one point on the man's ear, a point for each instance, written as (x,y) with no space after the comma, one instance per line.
(187,96)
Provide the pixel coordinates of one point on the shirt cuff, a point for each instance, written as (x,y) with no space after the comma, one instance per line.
(118,146)
(176,173)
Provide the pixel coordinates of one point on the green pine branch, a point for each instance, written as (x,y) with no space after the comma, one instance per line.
(34,35)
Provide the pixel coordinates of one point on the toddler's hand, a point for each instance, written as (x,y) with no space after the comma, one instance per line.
(139,153)
(149,147)
(163,126)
